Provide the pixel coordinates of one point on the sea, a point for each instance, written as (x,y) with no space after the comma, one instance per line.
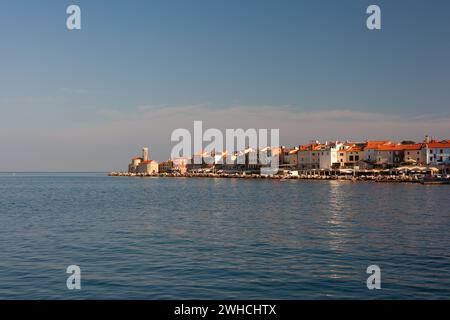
(218,238)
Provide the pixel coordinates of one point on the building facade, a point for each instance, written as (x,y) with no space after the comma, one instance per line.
(143,164)
(438,152)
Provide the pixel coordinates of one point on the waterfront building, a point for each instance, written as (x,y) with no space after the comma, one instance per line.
(143,164)
(389,155)
(220,157)
(283,156)
(247,159)
(148,167)
(292,158)
(132,167)
(264,156)
(180,164)
(371,147)
(354,153)
(329,155)
(198,161)
(437,152)
(414,153)
(253,159)
(166,166)
(230,163)
(309,156)
(242,158)
(397,154)
(341,157)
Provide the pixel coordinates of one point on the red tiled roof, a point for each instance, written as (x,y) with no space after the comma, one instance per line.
(400,147)
(416,146)
(390,147)
(375,144)
(311,146)
(436,144)
(353,149)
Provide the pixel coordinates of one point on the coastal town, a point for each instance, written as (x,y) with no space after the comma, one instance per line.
(380,160)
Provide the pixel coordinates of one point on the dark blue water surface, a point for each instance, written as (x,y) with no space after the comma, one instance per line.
(200,238)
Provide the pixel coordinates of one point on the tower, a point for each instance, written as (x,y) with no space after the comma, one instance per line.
(145,154)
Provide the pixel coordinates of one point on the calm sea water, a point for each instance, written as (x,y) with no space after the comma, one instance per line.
(178,238)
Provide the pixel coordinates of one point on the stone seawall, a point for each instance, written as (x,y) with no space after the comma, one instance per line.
(351,178)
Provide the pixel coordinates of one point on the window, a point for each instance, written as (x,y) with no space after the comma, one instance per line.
(407,152)
(351,158)
(442,151)
(356,158)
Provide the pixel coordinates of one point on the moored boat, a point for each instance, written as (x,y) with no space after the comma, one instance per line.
(435,180)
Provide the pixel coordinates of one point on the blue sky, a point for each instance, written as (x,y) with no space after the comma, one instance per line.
(89,99)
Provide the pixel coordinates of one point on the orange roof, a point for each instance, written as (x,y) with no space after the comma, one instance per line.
(147,161)
(390,147)
(436,144)
(400,147)
(353,149)
(311,147)
(439,145)
(374,144)
(136,158)
(416,146)
(307,147)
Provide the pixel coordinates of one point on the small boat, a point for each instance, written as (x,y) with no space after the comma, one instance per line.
(435,180)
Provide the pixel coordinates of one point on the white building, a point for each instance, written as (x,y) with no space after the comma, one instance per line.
(438,153)
(329,155)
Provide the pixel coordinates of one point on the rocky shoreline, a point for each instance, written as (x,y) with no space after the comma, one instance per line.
(351,178)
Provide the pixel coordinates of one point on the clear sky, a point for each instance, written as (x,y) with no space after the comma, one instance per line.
(88,100)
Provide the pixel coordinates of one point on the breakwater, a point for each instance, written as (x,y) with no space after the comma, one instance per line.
(305,176)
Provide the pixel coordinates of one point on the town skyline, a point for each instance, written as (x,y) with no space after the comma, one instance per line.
(322,155)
